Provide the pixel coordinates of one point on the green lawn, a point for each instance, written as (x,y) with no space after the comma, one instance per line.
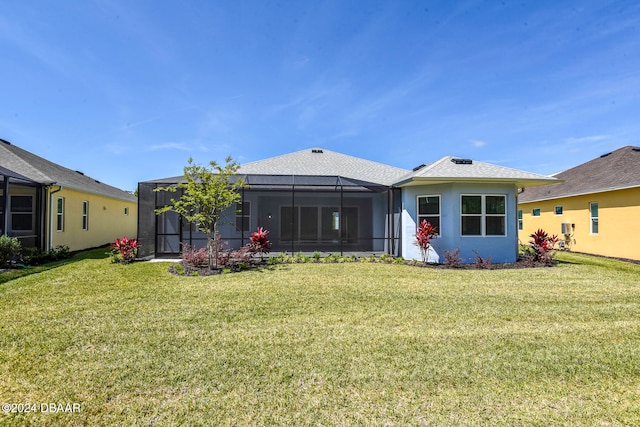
(324,344)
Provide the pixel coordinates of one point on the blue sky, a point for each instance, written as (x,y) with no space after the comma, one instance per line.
(127,91)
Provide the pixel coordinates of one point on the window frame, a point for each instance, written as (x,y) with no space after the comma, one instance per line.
(16,212)
(520,220)
(85,215)
(60,214)
(483,215)
(241,214)
(420,217)
(594,220)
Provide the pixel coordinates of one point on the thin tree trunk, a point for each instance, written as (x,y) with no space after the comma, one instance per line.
(215,246)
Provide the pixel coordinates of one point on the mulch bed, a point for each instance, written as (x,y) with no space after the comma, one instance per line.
(180,269)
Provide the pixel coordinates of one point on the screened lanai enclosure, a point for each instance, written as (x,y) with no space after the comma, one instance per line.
(303,213)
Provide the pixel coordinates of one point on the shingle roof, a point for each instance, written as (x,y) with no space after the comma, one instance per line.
(43,171)
(449,169)
(611,171)
(321,162)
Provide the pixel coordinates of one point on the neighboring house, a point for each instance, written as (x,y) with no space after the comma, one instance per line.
(595,210)
(319,200)
(45,205)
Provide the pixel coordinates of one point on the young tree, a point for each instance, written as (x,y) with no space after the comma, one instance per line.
(206,193)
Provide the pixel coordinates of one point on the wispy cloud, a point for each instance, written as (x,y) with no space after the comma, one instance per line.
(191,146)
(587,139)
(478,143)
(38,49)
(169,146)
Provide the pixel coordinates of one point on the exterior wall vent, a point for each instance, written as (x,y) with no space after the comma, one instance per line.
(462,161)
(316,151)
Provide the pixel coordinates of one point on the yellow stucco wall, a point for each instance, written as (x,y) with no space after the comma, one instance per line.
(618,225)
(106,220)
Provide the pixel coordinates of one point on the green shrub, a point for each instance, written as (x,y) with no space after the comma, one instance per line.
(300,258)
(9,249)
(59,252)
(34,256)
(179,269)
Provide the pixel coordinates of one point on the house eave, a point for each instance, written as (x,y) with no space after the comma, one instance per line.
(133,198)
(581,193)
(520,183)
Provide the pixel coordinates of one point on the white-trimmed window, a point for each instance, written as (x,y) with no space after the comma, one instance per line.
(558,210)
(483,215)
(60,214)
(85,215)
(593,211)
(520,220)
(535,212)
(429,210)
(243,216)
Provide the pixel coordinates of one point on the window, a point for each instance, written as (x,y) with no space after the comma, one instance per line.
(243,216)
(85,215)
(520,220)
(558,210)
(429,210)
(60,214)
(318,224)
(21,213)
(593,209)
(483,215)
(535,212)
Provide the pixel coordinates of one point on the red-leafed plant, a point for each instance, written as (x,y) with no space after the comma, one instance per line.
(424,234)
(194,257)
(260,242)
(124,250)
(543,245)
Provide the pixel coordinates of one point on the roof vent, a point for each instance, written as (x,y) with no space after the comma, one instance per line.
(417,168)
(636,148)
(605,155)
(97,181)
(462,161)
(5,141)
(316,151)
(79,172)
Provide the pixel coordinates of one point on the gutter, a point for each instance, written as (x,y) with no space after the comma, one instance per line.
(50,237)
(583,193)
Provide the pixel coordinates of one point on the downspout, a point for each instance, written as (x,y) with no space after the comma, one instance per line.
(50,237)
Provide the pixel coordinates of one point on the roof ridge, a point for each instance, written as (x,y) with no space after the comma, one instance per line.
(433,164)
(324,151)
(20,159)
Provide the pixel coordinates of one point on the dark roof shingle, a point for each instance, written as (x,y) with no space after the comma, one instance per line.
(45,172)
(611,171)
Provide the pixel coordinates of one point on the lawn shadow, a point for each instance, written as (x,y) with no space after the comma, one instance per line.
(95,253)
